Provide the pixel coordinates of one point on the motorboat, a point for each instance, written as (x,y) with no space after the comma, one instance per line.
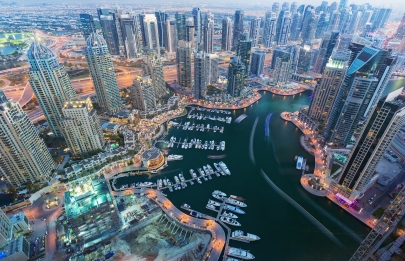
(217,167)
(230,221)
(211,207)
(185,206)
(210,169)
(202,173)
(234,209)
(199,180)
(235,202)
(193,174)
(214,203)
(176,179)
(181,177)
(299,162)
(243,235)
(229,214)
(224,168)
(206,171)
(240,253)
(218,192)
(174,157)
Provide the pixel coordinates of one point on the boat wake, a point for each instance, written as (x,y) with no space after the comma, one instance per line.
(216,156)
(325,213)
(252,136)
(297,206)
(267,125)
(240,118)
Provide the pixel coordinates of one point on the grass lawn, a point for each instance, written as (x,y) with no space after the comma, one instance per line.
(378,212)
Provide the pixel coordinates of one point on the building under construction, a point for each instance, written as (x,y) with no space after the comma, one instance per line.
(91,211)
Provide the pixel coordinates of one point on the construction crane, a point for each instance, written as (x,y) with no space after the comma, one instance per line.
(383,228)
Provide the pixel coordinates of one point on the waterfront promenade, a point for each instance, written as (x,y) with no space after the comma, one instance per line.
(218,239)
(319,170)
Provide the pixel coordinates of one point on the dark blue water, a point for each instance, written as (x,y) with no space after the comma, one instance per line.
(292,226)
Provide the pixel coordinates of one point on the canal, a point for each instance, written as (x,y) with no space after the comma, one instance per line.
(292,224)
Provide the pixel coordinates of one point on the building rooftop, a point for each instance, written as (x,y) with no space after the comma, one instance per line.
(95,40)
(152,153)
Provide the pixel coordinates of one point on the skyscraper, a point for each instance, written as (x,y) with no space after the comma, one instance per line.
(183,60)
(226,42)
(161,18)
(309,25)
(322,26)
(110,34)
(243,50)
(180,26)
(151,39)
(211,67)
(170,36)
(276,7)
(269,30)
(342,4)
(209,33)
(380,129)
(50,82)
(24,156)
(306,55)
(200,83)
(103,74)
(334,21)
(295,27)
(282,66)
(283,27)
(154,69)
(87,24)
(237,27)
(254,32)
(236,77)
(401,29)
(143,94)
(329,41)
(257,65)
(293,7)
(285,6)
(190,31)
(360,90)
(326,91)
(130,35)
(81,127)
(196,12)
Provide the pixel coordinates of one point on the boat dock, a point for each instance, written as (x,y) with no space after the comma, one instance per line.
(199,127)
(209,110)
(201,116)
(195,143)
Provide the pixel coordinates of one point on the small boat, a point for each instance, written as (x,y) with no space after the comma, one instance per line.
(237,198)
(174,157)
(211,207)
(185,206)
(220,193)
(235,202)
(229,214)
(153,172)
(224,168)
(296,157)
(230,221)
(239,253)
(243,235)
(234,209)
(199,180)
(299,162)
(214,203)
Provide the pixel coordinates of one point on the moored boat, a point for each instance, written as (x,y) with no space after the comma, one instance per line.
(243,235)
(240,253)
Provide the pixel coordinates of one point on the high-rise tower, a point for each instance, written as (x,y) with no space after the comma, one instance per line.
(269,30)
(243,50)
(254,32)
(180,26)
(151,39)
(283,27)
(143,94)
(130,35)
(110,33)
(226,42)
(87,24)
(236,77)
(257,65)
(237,27)
(209,33)
(183,60)
(81,127)
(24,158)
(200,83)
(329,41)
(50,82)
(196,12)
(103,74)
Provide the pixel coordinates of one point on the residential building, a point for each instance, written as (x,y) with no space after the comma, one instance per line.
(381,127)
(305,58)
(200,83)
(110,33)
(183,60)
(226,42)
(154,69)
(143,94)
(243,50)
(236,76)
(269,30)
(103,74)
(161,18)
(50,82)
(196,12)
(257,64)
(81,127)
(151,39)
(170,36)
(400,33)
(359,92)
(24,155)
(281,71)
(237,27)
(180,26)
(87,24)
(283,27)
(211,68)
(209,33)
(254,32)
(190,31)
(130,35)
(329,41)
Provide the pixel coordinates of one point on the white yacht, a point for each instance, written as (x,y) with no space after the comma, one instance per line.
(214,203)
(202,173)
(222,145)
(182,178)
(224,168)
(174,157)
(206,171)
(299,162)
(210,169)
(229,214)
(240,253)
(217,167)
(176,179)
(243,235)
(185,206)
(193,174)
(235,202)
(230,221)
(234,209)
(211,207)
(220,193)
(199,180)
(165,182)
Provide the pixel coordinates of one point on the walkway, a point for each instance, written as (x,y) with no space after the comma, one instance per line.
(218,239)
